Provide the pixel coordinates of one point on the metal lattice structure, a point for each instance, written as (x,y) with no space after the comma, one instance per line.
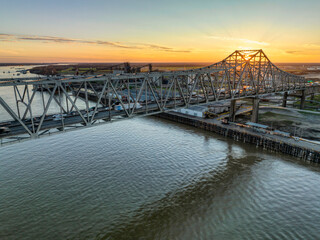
(113,96)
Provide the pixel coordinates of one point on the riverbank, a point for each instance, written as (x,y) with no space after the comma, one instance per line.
(300,149)
(301,123)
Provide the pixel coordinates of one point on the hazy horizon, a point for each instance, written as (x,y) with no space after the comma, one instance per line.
(132,62)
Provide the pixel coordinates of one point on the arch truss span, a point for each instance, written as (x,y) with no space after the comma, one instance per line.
(37,106)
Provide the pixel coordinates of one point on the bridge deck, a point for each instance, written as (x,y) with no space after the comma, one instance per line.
(242,74)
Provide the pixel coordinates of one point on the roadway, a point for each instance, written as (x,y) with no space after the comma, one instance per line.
(74,118)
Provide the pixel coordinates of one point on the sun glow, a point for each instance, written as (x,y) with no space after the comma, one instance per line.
(248,54)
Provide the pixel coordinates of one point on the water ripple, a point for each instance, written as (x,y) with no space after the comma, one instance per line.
(148,178)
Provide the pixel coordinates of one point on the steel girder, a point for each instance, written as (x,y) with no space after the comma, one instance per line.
(241,74)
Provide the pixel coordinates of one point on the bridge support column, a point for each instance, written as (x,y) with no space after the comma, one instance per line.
(303,99)
(255,110)
(232,113)
(312,96)
(284,100)
(34,136)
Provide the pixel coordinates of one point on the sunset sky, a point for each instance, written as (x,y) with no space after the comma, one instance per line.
(157,31)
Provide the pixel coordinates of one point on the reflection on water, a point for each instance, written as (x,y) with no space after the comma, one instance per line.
(148,178)
(21,71)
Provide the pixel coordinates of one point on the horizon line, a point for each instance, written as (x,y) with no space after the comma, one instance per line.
(198,62)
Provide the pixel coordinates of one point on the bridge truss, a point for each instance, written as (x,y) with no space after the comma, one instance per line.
(86,101)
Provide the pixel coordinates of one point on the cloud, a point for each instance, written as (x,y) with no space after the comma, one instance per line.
(164,48)
(54,39)
(293,51)
(158,47)
(50,39)
(6,37)
(114,44)
(239,39)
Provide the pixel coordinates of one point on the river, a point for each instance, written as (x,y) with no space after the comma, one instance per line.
(149,178)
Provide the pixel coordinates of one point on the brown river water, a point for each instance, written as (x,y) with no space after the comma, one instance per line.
(149,178)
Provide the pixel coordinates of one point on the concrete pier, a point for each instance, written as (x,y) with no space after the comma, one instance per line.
(312,96)
(284,100)
(232,113)
(255,110)
(302,99)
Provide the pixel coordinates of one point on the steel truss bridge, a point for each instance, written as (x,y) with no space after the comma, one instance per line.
(33,103)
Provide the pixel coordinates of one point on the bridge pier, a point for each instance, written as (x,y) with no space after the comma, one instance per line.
(255,110)
(312,96)
(232,113)
(34,136)
(302,99)
(284,100)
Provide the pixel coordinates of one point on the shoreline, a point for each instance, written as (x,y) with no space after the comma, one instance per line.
(305,151)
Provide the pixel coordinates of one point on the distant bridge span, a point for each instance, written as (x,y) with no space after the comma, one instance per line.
(244,73)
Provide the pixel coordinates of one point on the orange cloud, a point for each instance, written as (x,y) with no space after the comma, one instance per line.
(48,39)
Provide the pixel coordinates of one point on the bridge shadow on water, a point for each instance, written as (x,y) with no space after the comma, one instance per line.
(171,215)
(170,212)
(160,219)
(249,148)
